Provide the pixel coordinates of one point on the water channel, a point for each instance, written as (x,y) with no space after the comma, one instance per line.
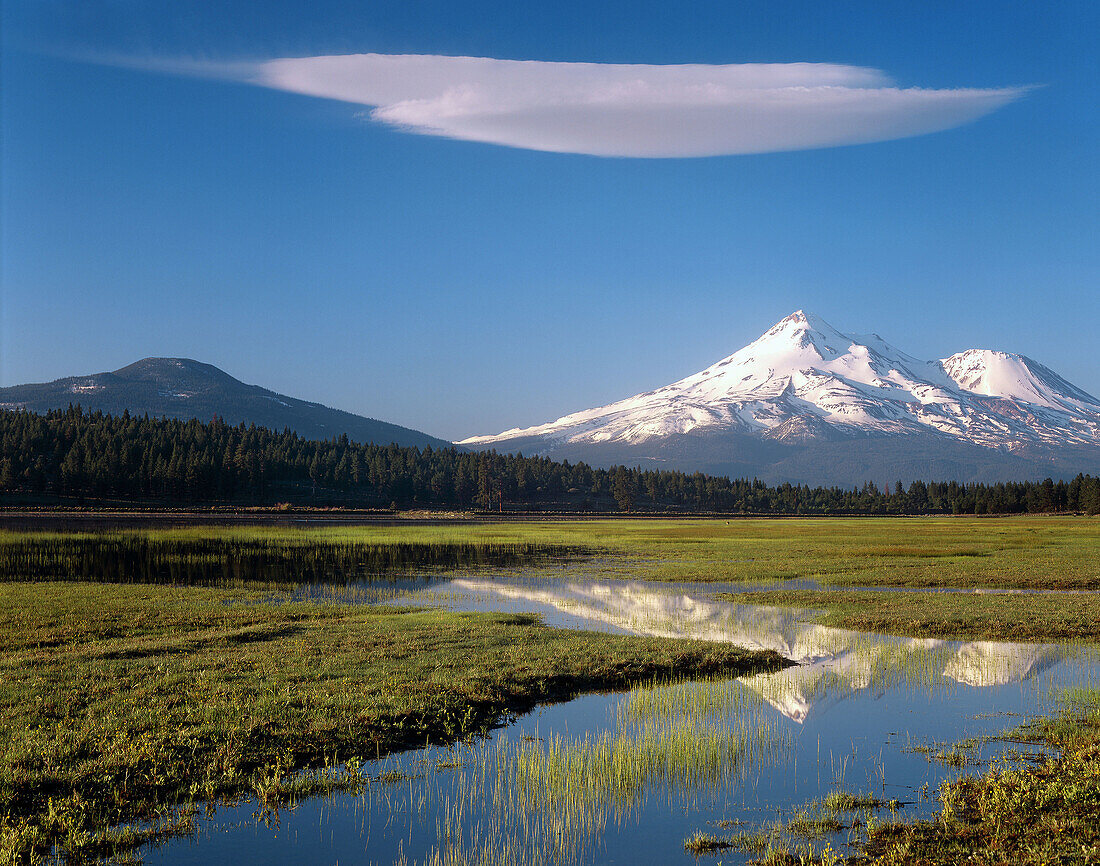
(627,777)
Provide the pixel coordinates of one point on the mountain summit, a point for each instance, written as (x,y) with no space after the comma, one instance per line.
(804,385)
(184,388)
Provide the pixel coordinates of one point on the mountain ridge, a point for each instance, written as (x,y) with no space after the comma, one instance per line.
(184,388)
(804,384)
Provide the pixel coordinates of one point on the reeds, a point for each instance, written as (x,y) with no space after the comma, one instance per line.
(702,700)
(235,558)
(550,800)
(797,839)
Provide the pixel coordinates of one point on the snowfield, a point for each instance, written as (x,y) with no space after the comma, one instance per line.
(803,379)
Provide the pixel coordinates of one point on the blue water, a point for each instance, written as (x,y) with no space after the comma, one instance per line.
(846,718)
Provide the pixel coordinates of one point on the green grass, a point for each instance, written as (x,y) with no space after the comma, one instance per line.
(846,801)
(549,799)
(118,702)
(1026,553)
(1048,813)
(1014,552)
(962,616)
(124,701)
(700,701)
(705,843)
(253,556)
(792,840)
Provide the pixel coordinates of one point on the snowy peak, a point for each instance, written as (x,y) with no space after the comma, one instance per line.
(800,341)
(802,329)
(1015,377)
(803,349)
(803,380)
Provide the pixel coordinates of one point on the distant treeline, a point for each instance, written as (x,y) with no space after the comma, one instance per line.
(72,454)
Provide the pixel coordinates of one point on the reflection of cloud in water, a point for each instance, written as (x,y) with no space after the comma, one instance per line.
(833,662)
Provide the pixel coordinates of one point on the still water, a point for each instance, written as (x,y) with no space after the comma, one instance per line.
(627,777)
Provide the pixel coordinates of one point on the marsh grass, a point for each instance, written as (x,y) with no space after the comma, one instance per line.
(846,801)
(699,700)
(1032,552)
(804,854)
(956,754)
(120,703)
(252,556)
(795,840)
(1029,552)
(549,799)
(614,769)
(1044,813)
(1018,617)
(704,843)
(279,785)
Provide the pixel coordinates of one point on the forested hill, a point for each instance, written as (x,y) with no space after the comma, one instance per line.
(70,455)
(183,388)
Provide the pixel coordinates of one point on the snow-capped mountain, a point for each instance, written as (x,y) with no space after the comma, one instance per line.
(805,383)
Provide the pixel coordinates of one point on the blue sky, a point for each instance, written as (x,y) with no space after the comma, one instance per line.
(462,287)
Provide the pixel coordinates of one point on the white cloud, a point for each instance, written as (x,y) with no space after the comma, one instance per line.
(630,110)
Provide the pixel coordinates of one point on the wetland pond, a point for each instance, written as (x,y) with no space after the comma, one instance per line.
(627,777)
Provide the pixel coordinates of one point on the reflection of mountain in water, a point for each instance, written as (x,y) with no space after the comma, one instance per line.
(832,662)
(987,663)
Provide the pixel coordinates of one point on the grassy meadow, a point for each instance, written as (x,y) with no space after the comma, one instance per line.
(1025,553)
(121,702)
(144,671)
(1015,552)
(1016,618)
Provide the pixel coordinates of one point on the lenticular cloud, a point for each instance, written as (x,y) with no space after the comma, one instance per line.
(607,109)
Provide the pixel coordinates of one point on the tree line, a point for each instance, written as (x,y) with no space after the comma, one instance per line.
(94,457)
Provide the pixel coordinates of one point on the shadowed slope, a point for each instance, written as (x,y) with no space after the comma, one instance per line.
(183,388)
